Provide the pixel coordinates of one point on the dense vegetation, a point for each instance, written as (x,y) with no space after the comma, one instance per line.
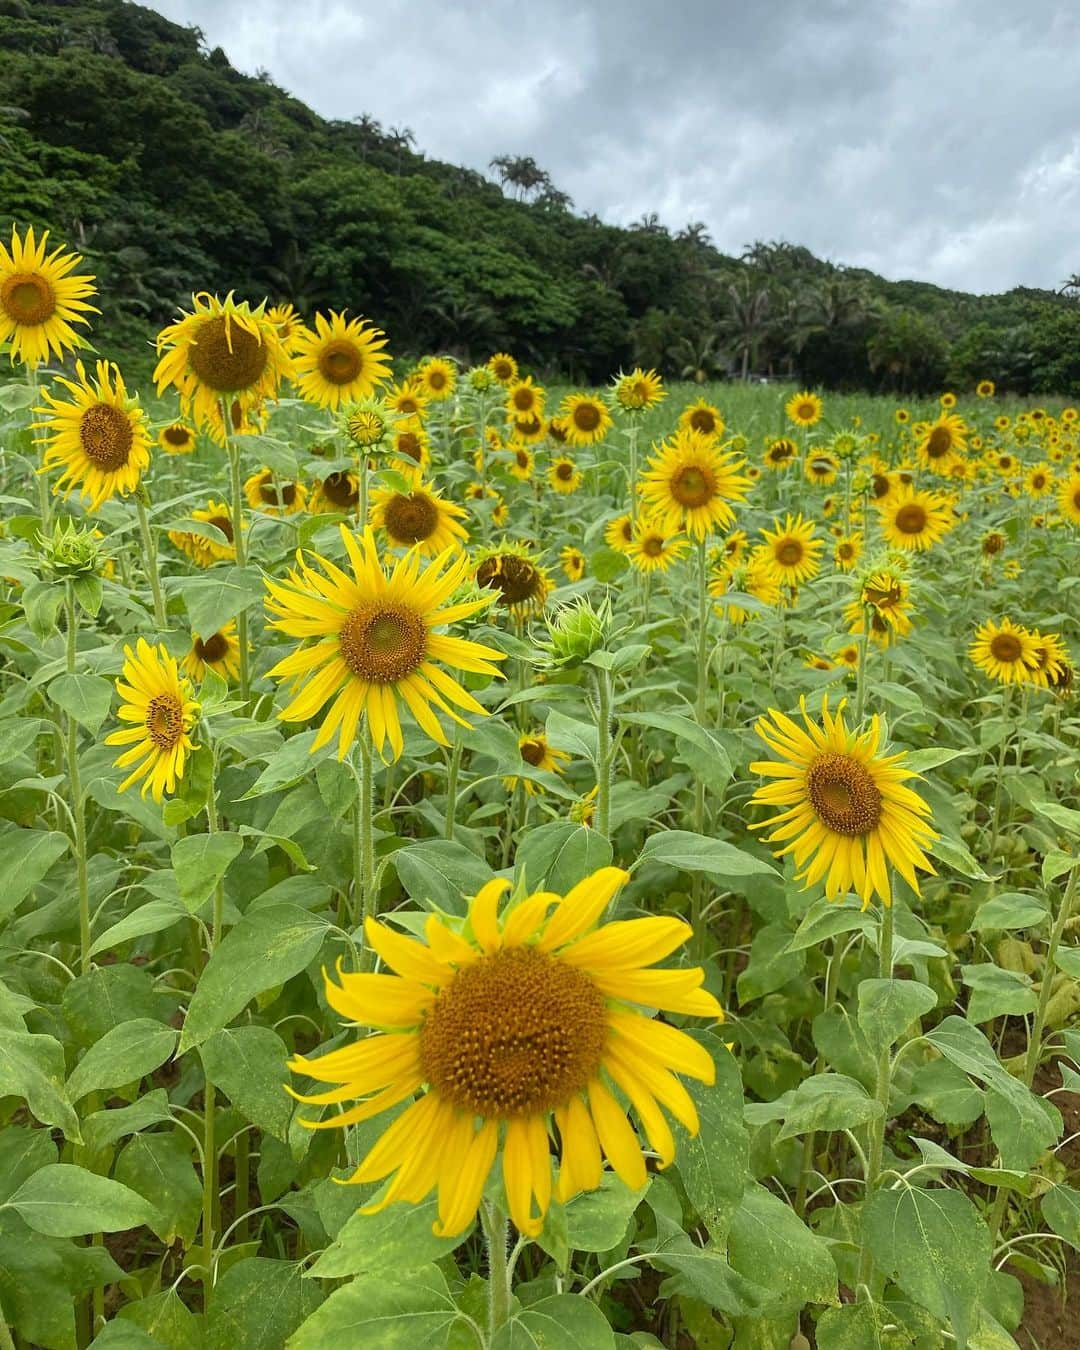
(173,172)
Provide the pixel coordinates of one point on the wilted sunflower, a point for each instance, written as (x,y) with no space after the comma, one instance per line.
(915,520)
(781,454)
(1005,651)
(885,597)
(159,702)
(941,442)
(275,496)
(702,417)
(524,398)
(222,350)
(219,652)
(587,419)
(822,468)
(1068,499)
(639,391)
(573,562)
(506,1026)
(690,485)
(993,543)
(98,438)
(754,578)
(555,429)
(337,493)
(503,367)
(792,551)
(564,476)
(619,533)
(523,585)
(437,377)
(40,299)
(340,361)
(847,551)
(373,643)
(522,462)
(538,754)
(652,550)
(804,409)
(420,518)
(177,439)
(847,813)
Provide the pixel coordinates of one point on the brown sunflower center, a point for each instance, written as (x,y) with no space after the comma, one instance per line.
(27,298)
(692,486)
(938,443)
(165,720)
(412,519)
(911,518)
(524,400)
(383,642)
(503,370)
(227,357)
(514,1034)
(701,419)
(1005,462)
(105,436)
(1076,499)
(272,493)
(340,361)
(213,649)
(1038,481)
(532,752)
(340,489)
(436,380)
(522,457)
(564,471)
(652,546)
(516,579)
(224,524)
(789,552)
(1005,647)
(843,794)
(881,485)
(409,444)
(845,551)
(586,417)
(177,435)
(993,543)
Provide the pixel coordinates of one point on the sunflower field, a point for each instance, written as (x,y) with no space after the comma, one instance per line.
(494,865)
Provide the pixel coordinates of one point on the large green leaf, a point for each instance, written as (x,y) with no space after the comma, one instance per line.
(597,1220)
(558,855)
(394,1240)
(441,872)
(888,1007)
(158,1166)
(1061,1210)
(690,852)
(25,857)
(248,1065)
(714,1164)
(561,1322)
(259,1303)
(63,1200)
(32,1067)
(213,600)
(771,1245)
(86,698)
(200,861)
(828,1101)
(412,1313)
(126,1053)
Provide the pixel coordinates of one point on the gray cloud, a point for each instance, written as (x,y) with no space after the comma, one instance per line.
(931,139)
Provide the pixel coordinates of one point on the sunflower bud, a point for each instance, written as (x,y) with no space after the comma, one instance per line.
(72,552)
(480,379)
(367,424)
(578,631)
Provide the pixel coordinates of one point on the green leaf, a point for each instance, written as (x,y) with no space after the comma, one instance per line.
(859,1326)
(997,992)
(62,1200)
(1064,817)
(248,1065)
(700,749)
(266,948)
(40,1280)
(17,735)
(152,917)
(259,1303)
(22,1151)
(829,1101)
(596,1221)
(42,603)
(200,861)
(826,919)
(957,856)
(1061,1210)
(32,1067)
(415,1313)
(212,601)
(126,1053)
(936,1247)
(771,1245)
(89,592)
(560,1322)
(888,1007)
(25,857)
(918,761)
(158,1166)
(86,698)
(393,1241)
(714,1165)
(441,872)
(771,965)
(286,767)
(164,1318)
(690,852)
(560,854)
(1012,909)
(103,1128)
(568,733)
(947,1094)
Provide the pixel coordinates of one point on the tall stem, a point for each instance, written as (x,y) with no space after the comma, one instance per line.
(860,674)
(209,1094)
(364,831)
(75,782)
(603,753)
(881,1089)
(496,1233)
(239,546)
(832,976)
(995,811)
(632,434)
(150,559)
(452,786)
(697,888)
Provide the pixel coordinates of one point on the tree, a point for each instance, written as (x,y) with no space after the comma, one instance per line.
(745,323)
(908,352)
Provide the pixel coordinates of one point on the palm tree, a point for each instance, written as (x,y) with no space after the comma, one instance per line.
(746,320)
(522,171)
(401,139)
(698,358)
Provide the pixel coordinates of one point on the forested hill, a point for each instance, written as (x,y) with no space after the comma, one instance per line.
(173,172)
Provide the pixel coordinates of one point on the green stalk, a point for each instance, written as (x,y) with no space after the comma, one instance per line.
(604,752)
(882,1088)
(697,888)
(632,435)
(242,1156)
(75,782)
(496,1234)
(860,674)
(832,976)
(364,832)
(209,1094)
(150,555)
(995,811)
(238,544)
(452,786)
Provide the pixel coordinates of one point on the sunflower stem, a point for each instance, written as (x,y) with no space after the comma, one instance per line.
(832,976)
(995,810)
(209,1095)
(75,782)
(604,753)
(238,545)
(150,553)
(697,889)
(364,832)
(860,674)
(452,786)
(632,436)
(882,1087)
(496,1238)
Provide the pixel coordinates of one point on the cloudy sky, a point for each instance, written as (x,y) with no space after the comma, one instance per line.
(934,139)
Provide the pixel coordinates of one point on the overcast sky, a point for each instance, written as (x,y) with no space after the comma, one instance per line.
(934,139)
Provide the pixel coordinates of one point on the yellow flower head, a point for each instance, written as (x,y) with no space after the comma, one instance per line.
(275,496)
(587,419)
(1005,651)
(619,533)
(754,578)
(521,584)
(158,702)
(564,476)
(639,391)
(804,409)
(780,454)
(915,520)
(691,483)
(524,398)
(573,562)
(340,361)
(177,439)
(218,546)
(537,753)
(420,518)
(219,652)
(847,551)
(652,550)
(503,367)
(40,299)
(942,442)
(437,378)
(792,551)
(1069,499)
(336,494)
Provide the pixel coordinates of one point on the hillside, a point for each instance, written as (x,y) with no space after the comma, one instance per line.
(173,172)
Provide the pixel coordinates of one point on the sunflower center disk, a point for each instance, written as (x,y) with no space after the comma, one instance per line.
(1004,647)
(844,795)
(516,579)
(523,400)
(939,443)
(409,520)
(382,642)
(703,421)
(911,519)
(789,553)
(340,362)
(28,299)
(226,357)
(532,752)
(105,436)
(213,649)
(564,472)
(224,525)
(653,546)
(881,485)
(337,488)
(272,493)
(586,417)
(165,720)
(516,1033)
(692,486)
(177,435)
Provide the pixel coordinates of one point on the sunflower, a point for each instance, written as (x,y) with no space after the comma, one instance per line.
(1039,481)
(538,754)
(792,551)
(619,533)
(947,401)
(941,442)
(276,497)
(288,322)
(781,454)
(437,377)
(159,702)
(754,578)
(652,549)
(410,441)
(420,518)
(503,367)
(848,655)
(522,462)
(407,399)
(691,483)
(883,599)
(98,438)
(336,494)
(1052,657)
(221,351)
(915,520)
(901,416)
(368,423)
(702,417)
(201,549)
(815,662)
(804,409)
(555,429)
(1068,499)
(177,439)
(340,360)
(219,652)
(524,398)
(985,389)
(374,642)
(564,476)
(847,551)
(507,1026)
(573,562)
(40,299)
(1007,652)
(846,813)
(639,391)
(733,547)
(822,468)
(587,419)
(993,543)
(523,585)
(530,428)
